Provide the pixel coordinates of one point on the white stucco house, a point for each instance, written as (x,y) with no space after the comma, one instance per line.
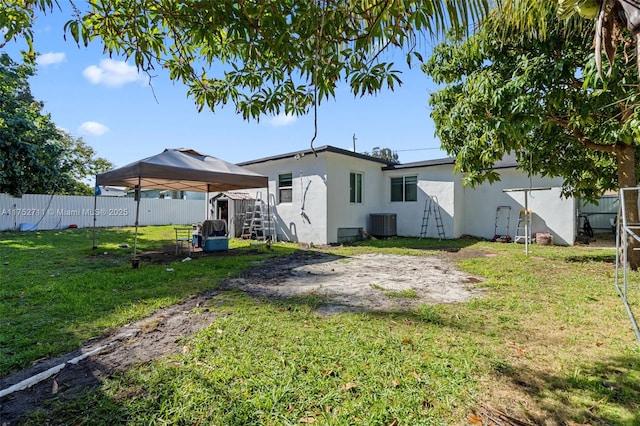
(327,196)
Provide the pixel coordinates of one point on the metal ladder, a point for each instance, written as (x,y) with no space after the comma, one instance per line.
(523,229)
(431,204)
(503,215)
(258,224)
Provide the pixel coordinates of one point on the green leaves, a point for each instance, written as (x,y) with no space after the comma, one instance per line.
(567,8)
(17,18)
(28,154)
(35,156)
(264,57)
(533,99)
(267,56)
(370,81)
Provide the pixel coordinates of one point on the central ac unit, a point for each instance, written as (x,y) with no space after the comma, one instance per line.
(382,224)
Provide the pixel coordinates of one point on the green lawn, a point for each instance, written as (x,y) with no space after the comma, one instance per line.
(57,291)
(550,343)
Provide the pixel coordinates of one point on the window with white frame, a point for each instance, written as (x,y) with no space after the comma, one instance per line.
(404,188)
(285,188)
(355,187)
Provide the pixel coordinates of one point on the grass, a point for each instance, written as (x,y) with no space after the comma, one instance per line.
(295,369)
(550,342)
(407,293)
(57,292)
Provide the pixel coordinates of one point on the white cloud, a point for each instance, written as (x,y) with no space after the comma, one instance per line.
(51,58)
(112,73)
(283,120)
(92,128)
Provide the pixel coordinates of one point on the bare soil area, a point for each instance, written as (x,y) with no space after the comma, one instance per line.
(370,282)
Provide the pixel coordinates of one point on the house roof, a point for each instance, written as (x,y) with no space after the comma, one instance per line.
(234,195)
(184,170)
(509,161)
(107,191)
(325,148)
(417,164)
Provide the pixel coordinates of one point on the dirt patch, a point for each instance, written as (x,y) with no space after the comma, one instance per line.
(370,282)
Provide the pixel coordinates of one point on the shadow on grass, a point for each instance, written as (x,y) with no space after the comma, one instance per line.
(612,383)
(604,258)
(78,395)
(592,393)
(449,245)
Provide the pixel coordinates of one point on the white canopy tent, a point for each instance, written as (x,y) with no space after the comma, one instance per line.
(180,169)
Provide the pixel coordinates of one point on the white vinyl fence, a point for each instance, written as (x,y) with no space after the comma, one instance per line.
(60,211)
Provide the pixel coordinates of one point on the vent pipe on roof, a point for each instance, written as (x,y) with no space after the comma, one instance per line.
(354,142)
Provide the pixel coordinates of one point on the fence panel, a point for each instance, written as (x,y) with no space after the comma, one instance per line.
(60,211)
(601,214)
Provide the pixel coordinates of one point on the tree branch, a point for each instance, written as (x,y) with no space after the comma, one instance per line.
(580,137)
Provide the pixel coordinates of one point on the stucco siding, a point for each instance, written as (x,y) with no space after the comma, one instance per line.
(341,212)
(304,218)
(436,182)
(458,219)
(550,212)
(321,202)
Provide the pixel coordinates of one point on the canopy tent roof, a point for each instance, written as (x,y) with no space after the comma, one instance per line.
(183,170)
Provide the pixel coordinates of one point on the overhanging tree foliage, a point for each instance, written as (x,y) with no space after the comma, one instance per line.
(542,100)
(614,22)
(264,57)
(35,156)
(533,97)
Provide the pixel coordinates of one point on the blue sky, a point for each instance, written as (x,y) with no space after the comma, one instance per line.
(112,107)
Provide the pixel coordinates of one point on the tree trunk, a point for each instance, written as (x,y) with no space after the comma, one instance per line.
(626,156)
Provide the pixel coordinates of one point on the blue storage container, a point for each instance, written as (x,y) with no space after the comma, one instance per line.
(216,244)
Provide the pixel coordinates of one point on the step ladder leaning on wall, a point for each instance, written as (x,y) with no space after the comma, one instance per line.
(258,221)
(523,230)
(431,206)
(501,226)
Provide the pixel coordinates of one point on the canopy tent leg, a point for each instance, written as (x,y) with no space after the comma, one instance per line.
(135,260)
(527,219)
(96,192)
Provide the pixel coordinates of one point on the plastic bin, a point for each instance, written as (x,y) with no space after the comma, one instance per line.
(216,244)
